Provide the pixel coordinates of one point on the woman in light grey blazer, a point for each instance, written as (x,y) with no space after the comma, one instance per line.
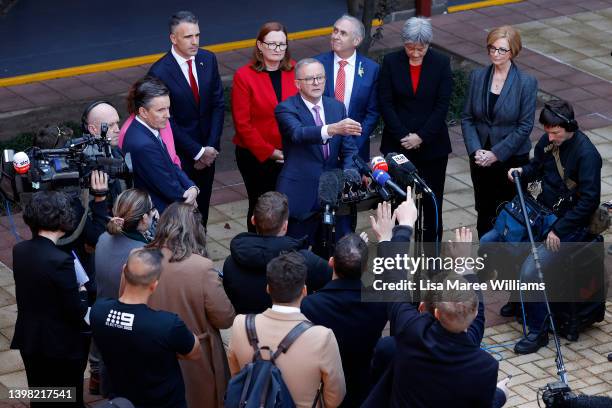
(496,123)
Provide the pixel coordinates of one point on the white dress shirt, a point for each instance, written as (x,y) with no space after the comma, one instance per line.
(286,309)
(154,131)
(182,63)
(349,75)
(324,135)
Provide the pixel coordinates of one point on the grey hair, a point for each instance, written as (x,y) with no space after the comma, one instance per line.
(181,17)
(303,62)
(417,30)
(358,28)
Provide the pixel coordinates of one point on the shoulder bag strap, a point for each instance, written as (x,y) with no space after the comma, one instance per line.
(251,332)
(568,183)
(292,336)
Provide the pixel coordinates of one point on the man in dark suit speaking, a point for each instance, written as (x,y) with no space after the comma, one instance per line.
(197,105)
(317,136)
(154,171)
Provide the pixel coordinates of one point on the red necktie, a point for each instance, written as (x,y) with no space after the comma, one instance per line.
(340,80)
(193,83)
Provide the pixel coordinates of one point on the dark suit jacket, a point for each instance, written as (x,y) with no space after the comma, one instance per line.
(50,309)
(304,162)
(513,114)
(193,126)
(436,368)
(363,106)
(357,326)
(423,113)
(154,171)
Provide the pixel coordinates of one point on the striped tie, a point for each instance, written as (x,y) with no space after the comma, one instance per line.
(340,81)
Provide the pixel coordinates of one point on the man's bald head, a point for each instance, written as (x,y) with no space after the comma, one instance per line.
(143,267)
(104,113)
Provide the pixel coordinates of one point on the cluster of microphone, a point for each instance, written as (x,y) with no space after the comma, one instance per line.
(390,175)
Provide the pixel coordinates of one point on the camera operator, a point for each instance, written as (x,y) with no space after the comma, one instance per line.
(99,117)
(563,156)
(50,303)
(435,348)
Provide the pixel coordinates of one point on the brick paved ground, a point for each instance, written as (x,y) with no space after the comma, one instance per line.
(565,43)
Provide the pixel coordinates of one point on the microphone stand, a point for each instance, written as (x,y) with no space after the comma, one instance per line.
(561,371)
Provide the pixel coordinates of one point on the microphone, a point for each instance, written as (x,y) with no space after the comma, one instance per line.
(383,179)
(364,170)
(352,176)
(379,163)
(21,163)
(331,184)
(403,170)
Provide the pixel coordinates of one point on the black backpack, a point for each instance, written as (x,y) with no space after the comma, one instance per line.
(260,384)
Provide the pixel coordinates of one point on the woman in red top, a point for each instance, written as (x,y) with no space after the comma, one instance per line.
(258,87)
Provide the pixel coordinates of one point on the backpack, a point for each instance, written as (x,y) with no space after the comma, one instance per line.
(260,384)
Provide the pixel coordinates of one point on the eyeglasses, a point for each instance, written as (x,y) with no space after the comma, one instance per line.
(492,50)
(275,46)
(312,80)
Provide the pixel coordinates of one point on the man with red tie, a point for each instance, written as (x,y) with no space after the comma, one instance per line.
(197,105)
(352,78)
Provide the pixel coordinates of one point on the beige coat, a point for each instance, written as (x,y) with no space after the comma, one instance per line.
(193,290)
(312,359)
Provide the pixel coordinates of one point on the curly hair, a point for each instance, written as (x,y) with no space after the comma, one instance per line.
(180,230)
(49,211)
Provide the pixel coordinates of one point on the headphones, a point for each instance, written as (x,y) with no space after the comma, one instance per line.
(88,110)
(570,125)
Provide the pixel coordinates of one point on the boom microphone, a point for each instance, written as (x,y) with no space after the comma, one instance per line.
(402,169)
(384,180)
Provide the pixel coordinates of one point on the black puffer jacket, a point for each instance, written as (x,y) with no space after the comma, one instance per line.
(244,271)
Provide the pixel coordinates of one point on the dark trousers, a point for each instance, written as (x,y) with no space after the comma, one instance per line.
(204,180)
(433,172)
(492,188)
(43,371)
(258,178)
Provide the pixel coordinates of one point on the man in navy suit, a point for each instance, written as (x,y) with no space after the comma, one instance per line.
(352,78)
(338,306)
(317,136)
(154,171)
(197,105)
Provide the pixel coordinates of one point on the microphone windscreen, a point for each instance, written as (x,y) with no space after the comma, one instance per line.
(21,163)
(378,162)
(352,176)
(395,160)
(381,177)
(330,187)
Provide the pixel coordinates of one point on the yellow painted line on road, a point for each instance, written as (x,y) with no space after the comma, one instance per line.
(149,59)
(480,4)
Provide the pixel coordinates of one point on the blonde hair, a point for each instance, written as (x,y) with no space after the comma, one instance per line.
(128,210)
(509,33)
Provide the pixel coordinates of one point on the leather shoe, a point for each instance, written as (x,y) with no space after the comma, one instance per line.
(531,343)
(510,309)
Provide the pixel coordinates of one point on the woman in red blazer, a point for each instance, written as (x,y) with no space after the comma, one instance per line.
(258,87)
